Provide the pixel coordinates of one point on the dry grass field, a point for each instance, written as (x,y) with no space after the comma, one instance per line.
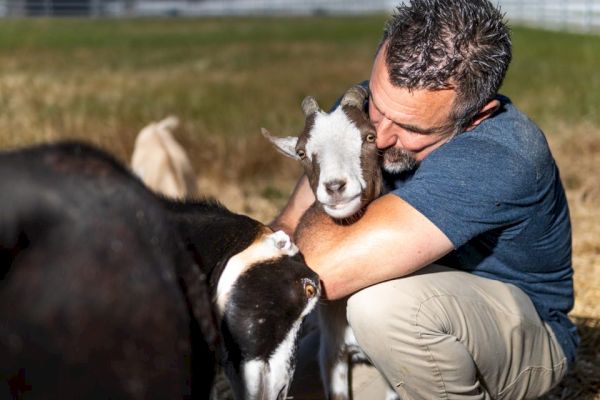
(103,80)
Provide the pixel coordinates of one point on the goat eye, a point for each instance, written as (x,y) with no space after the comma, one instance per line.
(300,153)
(310,291)
(371,137)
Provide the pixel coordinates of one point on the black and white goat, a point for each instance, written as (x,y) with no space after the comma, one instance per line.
(103,292)
(256,275)
(342,163)
(262,290)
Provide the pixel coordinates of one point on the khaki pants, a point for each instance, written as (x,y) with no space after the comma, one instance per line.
(444,334)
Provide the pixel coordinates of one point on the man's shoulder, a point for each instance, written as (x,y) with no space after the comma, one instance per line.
(511,127)
(508,139)
(505,156)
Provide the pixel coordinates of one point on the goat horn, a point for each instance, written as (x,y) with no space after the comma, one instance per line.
(309,106)
(355,96)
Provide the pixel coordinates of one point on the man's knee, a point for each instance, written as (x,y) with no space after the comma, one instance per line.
(376,312)
(400,297)
(366,310)
(396,308)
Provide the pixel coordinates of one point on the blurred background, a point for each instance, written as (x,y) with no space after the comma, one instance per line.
(551,13)
(101,70)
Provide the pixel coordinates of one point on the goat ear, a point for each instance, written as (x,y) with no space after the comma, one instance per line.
(310,106)
(285,145)
(355,96)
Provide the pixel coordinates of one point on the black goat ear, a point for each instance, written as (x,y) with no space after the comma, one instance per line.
(285,145)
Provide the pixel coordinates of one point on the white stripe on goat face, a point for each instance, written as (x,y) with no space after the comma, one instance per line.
(336,142)
(269,379)
(268,245)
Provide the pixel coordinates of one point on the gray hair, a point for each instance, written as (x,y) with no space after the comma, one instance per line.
(441,44)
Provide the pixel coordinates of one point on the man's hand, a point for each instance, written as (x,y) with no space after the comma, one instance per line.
(391,240)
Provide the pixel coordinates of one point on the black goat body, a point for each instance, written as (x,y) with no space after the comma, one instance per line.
(97,298)
(103,291)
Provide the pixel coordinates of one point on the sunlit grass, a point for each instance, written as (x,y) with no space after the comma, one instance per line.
(104,79)
(554,77)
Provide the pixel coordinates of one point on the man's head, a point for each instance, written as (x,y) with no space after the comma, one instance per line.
(437,72)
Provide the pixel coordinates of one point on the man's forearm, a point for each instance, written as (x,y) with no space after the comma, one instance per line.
(391,240)
(343,263)
(317,236)
(315,230)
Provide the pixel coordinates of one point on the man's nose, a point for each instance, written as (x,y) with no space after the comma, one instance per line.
(385,138)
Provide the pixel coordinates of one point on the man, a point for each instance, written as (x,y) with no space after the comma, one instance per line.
(475,190)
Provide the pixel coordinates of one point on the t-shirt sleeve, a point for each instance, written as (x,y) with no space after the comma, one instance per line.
(469,186)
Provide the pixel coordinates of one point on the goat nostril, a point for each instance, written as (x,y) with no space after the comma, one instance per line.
(336,186)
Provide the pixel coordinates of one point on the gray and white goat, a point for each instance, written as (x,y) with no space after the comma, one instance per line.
(342,163)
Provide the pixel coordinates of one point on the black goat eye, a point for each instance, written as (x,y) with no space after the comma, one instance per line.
(370,137)
(300,153)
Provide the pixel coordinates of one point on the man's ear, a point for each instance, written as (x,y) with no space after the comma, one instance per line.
(487,110)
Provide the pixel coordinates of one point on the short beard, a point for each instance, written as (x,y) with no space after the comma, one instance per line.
(397,160)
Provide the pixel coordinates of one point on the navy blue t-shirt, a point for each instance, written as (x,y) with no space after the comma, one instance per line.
(496,193)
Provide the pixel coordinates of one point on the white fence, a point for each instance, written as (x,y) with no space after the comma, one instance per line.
(258,7)
(145,8)
(553,14)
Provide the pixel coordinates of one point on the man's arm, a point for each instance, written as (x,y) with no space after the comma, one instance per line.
(300,200)
(391,240)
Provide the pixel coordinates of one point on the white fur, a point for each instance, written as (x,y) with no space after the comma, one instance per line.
(253,373)
(337,142)
(339,381)
(161,162)
(285,145)
(390,394)
(268,246)
(266,380)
